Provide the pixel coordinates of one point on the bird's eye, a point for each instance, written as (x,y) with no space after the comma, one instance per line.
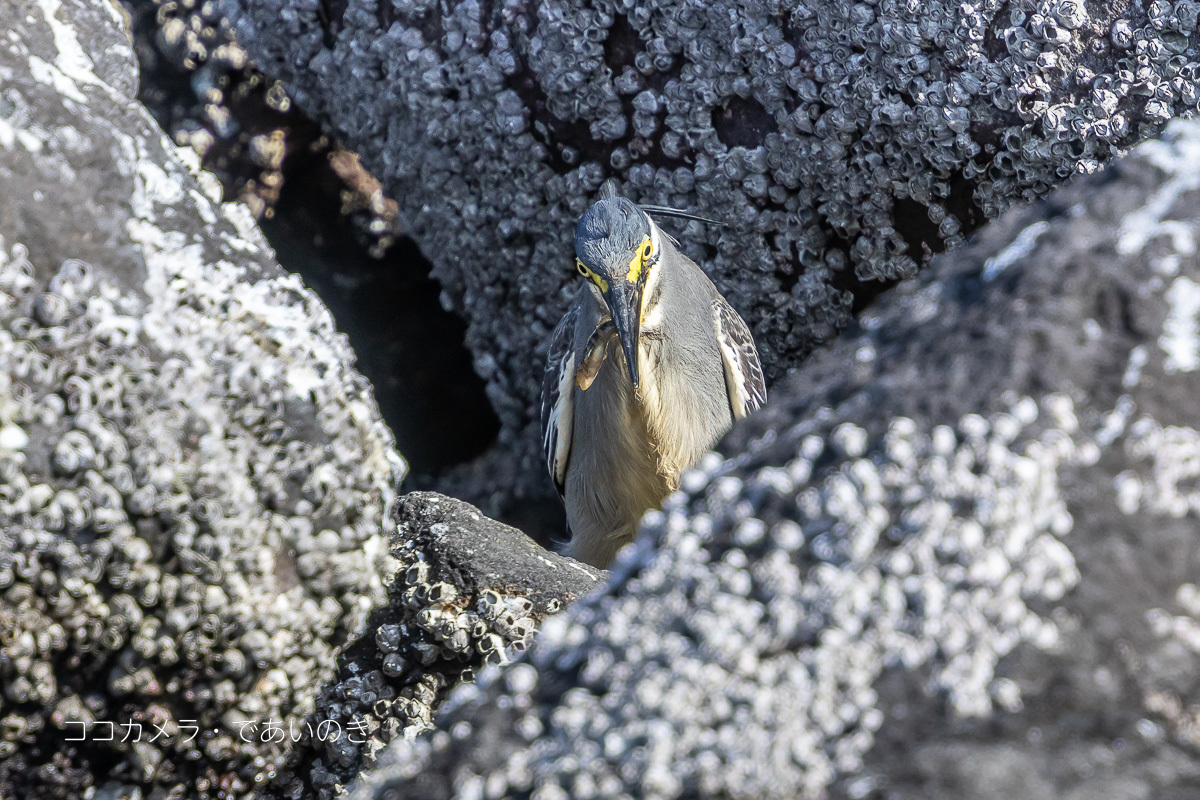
(582,269)
(647,249)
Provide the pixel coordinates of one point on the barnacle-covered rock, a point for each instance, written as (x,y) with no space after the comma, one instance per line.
(470,592)
(326,218)
(954,557)
(845,142)
(202,88)
(193,478)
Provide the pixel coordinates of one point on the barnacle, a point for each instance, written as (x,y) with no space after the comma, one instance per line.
(436,632)
(118,461)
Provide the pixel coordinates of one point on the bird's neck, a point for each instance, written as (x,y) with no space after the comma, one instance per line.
(659,407)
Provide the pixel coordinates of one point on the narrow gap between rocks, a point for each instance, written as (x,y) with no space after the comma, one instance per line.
(201,88)
(407,345)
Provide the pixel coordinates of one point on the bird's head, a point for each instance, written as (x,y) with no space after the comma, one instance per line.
(617,247)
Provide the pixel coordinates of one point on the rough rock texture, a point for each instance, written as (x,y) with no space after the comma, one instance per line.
(193,479)
(201,87)
(954,558)
(845,141)
(203,90)
(471,592)
(327,220)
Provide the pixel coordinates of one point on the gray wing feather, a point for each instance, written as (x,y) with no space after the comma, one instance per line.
(558,383)
(743,371)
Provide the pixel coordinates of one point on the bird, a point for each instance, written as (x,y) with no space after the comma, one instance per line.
(645,372)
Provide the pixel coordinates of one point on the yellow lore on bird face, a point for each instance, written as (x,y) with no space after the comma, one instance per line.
(591,276)
(644,251)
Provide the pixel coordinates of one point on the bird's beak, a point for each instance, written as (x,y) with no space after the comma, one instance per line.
(625,304)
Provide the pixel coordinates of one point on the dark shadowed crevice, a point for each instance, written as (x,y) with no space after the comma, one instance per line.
(386,14)
(429,23)
(861,292)
(407,346)
(743,122)
(556,134)
(993,45)
(622,45)
(789,276)
(962,205)
(921,238)
(329,14)
(988,139)
(920,234)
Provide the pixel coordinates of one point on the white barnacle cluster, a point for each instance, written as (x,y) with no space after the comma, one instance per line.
(195,38)
(1165,691)
(494,628)
(488,631)
(1185,626)
(741,656)
(186,532)
(435,637)
(1164,476)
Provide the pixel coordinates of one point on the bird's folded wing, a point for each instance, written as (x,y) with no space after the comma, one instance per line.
(743,371)
(557,414)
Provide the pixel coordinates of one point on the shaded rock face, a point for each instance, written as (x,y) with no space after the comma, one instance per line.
(193,479)
(471,592)
(954,557)
(327,221)
(845,143)
(405,344)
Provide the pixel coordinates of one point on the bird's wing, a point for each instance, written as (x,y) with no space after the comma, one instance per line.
(743,371)
(557,385)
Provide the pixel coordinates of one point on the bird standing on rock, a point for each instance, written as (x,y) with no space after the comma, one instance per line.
(649,368)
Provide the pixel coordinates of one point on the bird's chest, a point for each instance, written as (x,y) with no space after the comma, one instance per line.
(614,447)
(676,415)
(683,405)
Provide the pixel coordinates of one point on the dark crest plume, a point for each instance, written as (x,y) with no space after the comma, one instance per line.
(667,211)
